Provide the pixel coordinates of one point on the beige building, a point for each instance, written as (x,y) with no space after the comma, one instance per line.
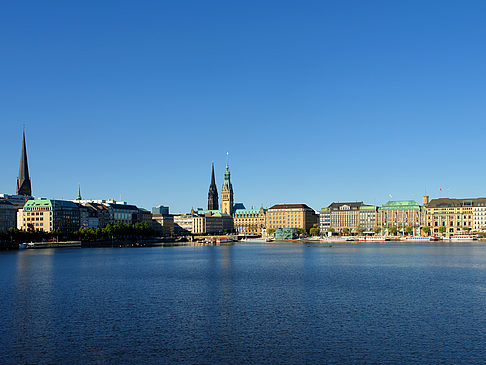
(249,221)
(291,216)
(401,214)
(345,215)
(49,215)
(456,215)
(163,224)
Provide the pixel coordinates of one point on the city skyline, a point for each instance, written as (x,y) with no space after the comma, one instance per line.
(322,103)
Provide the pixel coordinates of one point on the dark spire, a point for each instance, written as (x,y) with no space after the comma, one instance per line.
(23,181)
(213,203)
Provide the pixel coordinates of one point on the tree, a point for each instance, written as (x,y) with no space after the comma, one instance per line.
(345,231)
(330,229)
(377,230)
(442,229)
(466,229)
(300,231)
(360,231)
(314,231)
(409,230)
(271,231)
(426,230)
(393,231)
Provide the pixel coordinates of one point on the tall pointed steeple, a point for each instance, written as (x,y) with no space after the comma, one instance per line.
(227,191)
(213,203)
(79,193)
(23,180)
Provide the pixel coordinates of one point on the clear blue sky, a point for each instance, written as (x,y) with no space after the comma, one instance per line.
(316,101)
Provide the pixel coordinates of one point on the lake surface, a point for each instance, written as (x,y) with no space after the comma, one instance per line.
(247,303)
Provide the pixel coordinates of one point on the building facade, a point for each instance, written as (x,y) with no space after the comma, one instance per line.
(291,216)
(249,221)
(49,215)
(123,213)
(8,215)
(163,224)
(345,215)
(455,215)
(479,217)
(324,220)
(227,201)
(160,209)
(401,214)
(367,217)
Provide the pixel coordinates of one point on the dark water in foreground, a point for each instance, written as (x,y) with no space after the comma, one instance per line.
(285,303)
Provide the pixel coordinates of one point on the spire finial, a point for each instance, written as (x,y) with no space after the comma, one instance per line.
(227,160)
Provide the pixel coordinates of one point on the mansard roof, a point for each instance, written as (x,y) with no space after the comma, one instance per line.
(450,202)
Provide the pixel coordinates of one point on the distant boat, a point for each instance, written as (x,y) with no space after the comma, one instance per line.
(463,237)
(415,238)
(23,245)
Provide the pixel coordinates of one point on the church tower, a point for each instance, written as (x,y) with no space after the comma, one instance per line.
(227,192)
(23,180)
(213,193)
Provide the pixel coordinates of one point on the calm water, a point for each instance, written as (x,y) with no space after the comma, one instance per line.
(285,303)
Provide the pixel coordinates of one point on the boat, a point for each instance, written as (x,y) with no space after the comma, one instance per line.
(375,239)
(462,238)
(415,239)
(32,245)
(23,245)
(223,240)
(250,240)
(338,239)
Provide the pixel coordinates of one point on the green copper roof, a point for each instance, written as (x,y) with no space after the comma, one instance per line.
(38,203)
(401,204)
(247,211)
(367,207)
(50,203)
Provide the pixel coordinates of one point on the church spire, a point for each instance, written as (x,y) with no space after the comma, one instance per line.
(79,193)
(213,203)
(227,191)
(23,180)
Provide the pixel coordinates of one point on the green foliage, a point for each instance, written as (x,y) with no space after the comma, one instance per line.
(466,229)
(442,229)
(409,230)
(330,229)
(118,231)
(393,230)
(300,231)
(377,230)
(16,235)
(345,231)
(360,231)
(314,231)
(426,230)
(271,231)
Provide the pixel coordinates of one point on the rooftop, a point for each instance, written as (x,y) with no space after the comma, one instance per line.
(401,204)
(290,206)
